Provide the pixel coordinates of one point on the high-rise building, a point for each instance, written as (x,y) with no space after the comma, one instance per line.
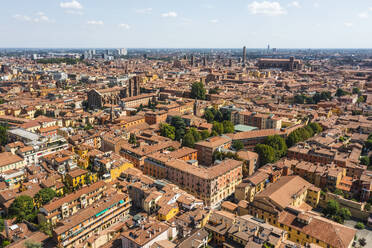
(244,55)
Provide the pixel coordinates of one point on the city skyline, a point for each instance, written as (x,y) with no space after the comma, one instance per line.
(191,24)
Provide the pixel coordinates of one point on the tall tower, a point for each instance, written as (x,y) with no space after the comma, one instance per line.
(204,61)
(244,55)
(192,62)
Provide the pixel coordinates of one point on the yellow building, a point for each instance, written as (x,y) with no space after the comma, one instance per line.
(116,171)
(167,212)
(78,177)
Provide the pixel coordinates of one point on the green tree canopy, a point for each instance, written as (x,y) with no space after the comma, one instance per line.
(356,90)
(3,135)
(188,140)
(237,145)
(228,127)
(195,134)
(365,160)
(341,92)
(167,130)
(316,127)
(198,91)
(266,154)
(22,208)
(44,196)
(278,143)
(218,127)
(179,124)
(132,139)
(204,134)
(208,115)
(31,244)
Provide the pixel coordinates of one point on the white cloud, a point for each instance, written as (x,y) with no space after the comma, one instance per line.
(266,8)
(124,26)
(294,4)
(96,23)
(213,21)
(370,8)
(316,5)
(39,17)
(169,14)
(71,5)
(144,11)
(74,12)
(348,24)
(363,15)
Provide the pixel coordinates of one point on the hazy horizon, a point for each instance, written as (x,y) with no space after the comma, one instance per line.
(296,24)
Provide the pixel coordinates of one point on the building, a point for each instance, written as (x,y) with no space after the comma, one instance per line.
(308,228)
(261,121)
(290,64)
(35,145)
(70,204)
(210,184)
(145,235)
(207,147)
(98,98)
(288,191)
(9,161)
(75,230)
(79,177)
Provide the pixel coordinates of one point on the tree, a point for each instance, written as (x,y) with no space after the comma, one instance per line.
(360,99)
(179,124)
(316,127)
(88,126)
(365,160)
(367,207)
(356,90)
(359,225)
(198,91)
(38,113)
(332,208)
(293,138)
(237,145)
(214,90)
(204,134)
(22,208)
(218,116)
(345,213)
(341,92)
(299,99)
(46,228)
(214,133)
(44,196)
(208,115)
(188,140)
(266,154)
(3,135)
(278,143)
(132,139)
(32,244)
(228,127)
(2,225)
(338,192)
(195,133)
(167,130)
(218,127)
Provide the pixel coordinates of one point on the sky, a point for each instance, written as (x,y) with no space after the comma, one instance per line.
(186,23)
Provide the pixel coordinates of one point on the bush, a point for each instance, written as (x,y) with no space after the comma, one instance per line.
(359,225)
